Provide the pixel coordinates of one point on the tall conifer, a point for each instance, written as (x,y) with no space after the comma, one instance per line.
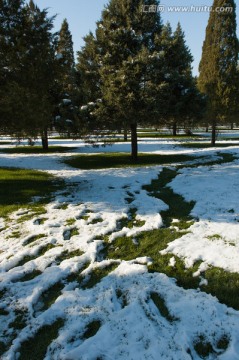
(218,77)
(29,72)
(182,95)
(66,82)
(127,53)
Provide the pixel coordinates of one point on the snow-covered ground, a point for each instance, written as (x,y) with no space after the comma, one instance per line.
(96,202)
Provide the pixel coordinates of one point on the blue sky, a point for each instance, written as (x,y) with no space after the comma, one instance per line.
(83,14)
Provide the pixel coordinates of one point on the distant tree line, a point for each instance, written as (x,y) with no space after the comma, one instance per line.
(132,71)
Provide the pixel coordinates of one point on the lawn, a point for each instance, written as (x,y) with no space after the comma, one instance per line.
(121,160)
(20,188)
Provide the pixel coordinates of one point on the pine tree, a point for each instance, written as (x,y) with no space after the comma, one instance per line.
(87,69)
(26,102)
(66,82)
(218,77)
(40,68)
(126,53)
(183,98)
(11,30)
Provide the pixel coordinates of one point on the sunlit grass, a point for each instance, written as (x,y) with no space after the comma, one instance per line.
(19,187)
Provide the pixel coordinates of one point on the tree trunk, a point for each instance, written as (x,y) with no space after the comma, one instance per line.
(206,129)
(174,128)
(134,143)
(232,126)
(213,139)
(125,133)
(44,140)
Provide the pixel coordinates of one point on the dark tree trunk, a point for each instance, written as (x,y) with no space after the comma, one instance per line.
(232,126)
(206,129)
(213,139)
(44,140)
(134,143)
(125,133)
(174,128)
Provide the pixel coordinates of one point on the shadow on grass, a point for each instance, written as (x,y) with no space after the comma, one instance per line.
(120,160)
(222,284)
(36,347)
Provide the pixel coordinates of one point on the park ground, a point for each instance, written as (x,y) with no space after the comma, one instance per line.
(104,259)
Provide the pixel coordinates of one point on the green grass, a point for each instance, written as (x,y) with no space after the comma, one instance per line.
(30,276)
(70,221)
(205,348)
(160,304)
(15,234)
(67,234)
(68,255)
(36,209)
(36,347)
(18,187)
(119,160)
(122,297)
(224,285)
(178,207)
(223,342)
(92,329)
(150,243)
(97,275)
(96,221)
(130,221)
(26,259)
(62,206)
(77,276)
(36,150)
(49,296)
(214,237)
(33,238)
(20,320)
(41,252)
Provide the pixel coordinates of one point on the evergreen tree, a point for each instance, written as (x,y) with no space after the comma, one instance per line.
(88,84)
(87,69)
(183,98)
(12,20)
(126,54)
(66,83)
(218,77)
(27,102)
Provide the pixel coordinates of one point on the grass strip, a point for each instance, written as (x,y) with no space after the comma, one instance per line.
(18,187)
(41,340)
(121,160)
(160,304)
(92,328)
(49,296)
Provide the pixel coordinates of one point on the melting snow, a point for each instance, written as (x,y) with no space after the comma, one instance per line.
(131,326)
